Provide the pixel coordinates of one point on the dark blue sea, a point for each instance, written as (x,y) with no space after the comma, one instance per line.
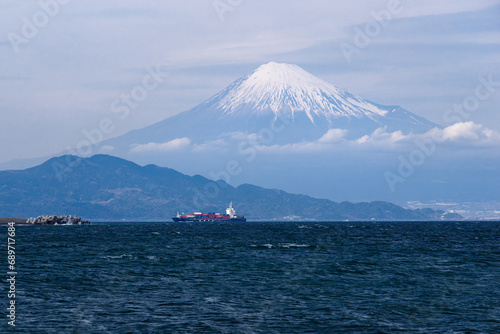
(409,277)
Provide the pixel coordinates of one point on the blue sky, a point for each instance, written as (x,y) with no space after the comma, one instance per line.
(63,77)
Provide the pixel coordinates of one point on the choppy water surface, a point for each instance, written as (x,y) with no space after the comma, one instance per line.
(258,278)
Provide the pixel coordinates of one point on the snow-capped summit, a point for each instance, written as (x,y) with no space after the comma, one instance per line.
(271,93)
(276,87)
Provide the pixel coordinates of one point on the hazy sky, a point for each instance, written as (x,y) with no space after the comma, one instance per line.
(65,63)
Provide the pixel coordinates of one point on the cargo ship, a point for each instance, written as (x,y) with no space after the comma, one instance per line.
(230,216)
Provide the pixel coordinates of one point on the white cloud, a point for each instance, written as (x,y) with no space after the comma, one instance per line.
(333,136)
(460,135)
(218,144)
(465,131)
(381,135)
(173,145)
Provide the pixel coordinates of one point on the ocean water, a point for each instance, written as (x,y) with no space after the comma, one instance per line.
(409,277)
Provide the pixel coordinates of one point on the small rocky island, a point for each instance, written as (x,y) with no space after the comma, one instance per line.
(56,220)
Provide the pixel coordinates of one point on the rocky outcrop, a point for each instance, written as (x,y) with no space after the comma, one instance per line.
(55,220)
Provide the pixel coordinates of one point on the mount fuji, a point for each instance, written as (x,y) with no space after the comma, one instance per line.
(272,96)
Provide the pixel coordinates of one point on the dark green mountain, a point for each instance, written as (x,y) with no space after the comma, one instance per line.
(110,188)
